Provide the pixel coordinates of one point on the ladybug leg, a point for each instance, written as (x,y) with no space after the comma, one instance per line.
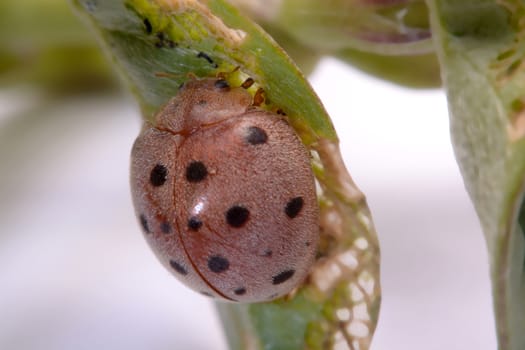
(224,75)
(247,83)
(258,98)
(169,75)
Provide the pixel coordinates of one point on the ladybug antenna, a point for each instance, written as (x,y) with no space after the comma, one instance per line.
(191,76)
(167,75)
(224,75)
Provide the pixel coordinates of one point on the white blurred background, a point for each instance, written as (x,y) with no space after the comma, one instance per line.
(75,272)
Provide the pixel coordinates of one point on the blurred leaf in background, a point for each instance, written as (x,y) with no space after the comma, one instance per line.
(43,44)
(481,47)
(385,38)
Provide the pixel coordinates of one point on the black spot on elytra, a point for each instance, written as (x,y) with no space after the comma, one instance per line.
(144,223)
(307,243)
(221,84)
(207,58)
(282,276)
(194,223)
(240,291)
(237,216)
(218,264)
(196,171)
(268,253)
(165,227)
(256,135)
(293,207)
(147,26)
(178,267)
(158,175)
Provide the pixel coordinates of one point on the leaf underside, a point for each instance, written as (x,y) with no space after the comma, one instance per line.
(481,45)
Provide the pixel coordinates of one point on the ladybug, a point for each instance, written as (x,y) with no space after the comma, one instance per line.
(225,194)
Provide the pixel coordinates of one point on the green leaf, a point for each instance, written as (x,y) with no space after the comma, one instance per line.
(157,44)
(389,39)
(480,45)
(42,44)
(384,27)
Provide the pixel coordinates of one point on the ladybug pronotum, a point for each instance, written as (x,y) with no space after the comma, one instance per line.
(225,194)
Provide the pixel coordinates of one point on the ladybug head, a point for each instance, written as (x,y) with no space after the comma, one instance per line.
(202,102)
